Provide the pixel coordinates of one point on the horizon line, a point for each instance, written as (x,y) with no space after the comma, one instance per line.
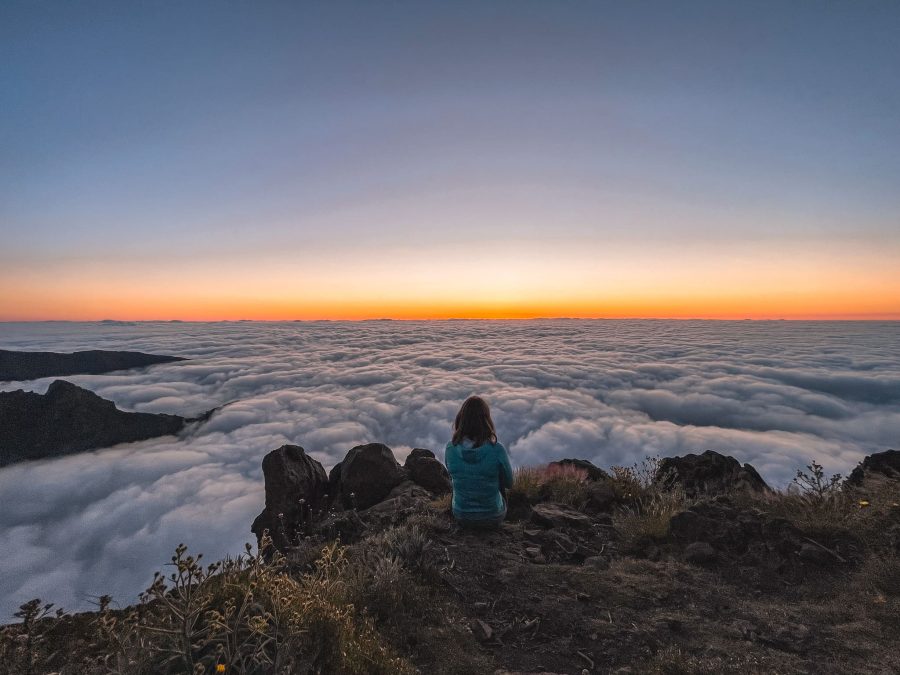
(844,318)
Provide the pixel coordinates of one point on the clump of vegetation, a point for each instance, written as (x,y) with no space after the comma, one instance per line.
(527,483)
(243,615)
(636,481)
(646,517)
(564,484)
(814,484)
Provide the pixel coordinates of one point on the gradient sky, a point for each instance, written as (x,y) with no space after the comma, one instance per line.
(229,160)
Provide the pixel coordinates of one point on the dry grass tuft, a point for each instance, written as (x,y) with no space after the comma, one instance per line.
(563,484)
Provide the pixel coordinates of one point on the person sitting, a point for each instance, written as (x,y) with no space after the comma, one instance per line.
(479,467)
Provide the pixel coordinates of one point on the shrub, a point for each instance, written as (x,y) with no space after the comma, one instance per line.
(814,484)
(635,481)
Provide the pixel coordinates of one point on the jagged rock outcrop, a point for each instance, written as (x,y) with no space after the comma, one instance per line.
(368,473)
(296,495)
(15,365)
(881,464)
(69,419)
(710,473)
(592,472)
(424,469)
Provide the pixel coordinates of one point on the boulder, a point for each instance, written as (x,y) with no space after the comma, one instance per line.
(424,469)
(559,515)
(296,488)
(881,464)
(592,472)
(404,500)
(367,474)
(710,473)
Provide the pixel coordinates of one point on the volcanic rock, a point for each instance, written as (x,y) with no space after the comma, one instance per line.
(296,485)
(886,464)
(424,469)
(32,365)
(368,473)
(69,419)
(710,473)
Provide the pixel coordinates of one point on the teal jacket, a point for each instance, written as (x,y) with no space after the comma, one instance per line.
(478,475)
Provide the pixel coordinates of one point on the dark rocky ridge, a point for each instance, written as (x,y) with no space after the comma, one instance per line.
(881,464)
(710,473)
(69,419)
(15,365)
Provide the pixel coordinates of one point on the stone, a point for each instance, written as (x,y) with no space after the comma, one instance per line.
(405,499)
(368,473)
(344,525)
(699,552)
(296,485)
(708,474)
(426,470)
(482,631)
(558,515)
(594,473)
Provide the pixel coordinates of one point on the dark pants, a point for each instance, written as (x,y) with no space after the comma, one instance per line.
(491,523)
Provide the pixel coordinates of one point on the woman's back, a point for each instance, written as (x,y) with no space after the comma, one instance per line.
(478,474)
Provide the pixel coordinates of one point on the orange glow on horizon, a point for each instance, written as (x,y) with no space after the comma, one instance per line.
(831,282)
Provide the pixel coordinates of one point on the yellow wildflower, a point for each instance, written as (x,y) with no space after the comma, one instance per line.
(863,503)
(220,668)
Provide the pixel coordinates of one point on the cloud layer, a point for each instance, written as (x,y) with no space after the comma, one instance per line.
(775,394)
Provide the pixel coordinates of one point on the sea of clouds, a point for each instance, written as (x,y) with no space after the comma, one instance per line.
(775,394)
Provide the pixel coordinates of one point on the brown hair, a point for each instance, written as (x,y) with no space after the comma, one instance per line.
(474,421)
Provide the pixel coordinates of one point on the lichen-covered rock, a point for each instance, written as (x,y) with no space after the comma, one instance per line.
(368,473)
(710,473)
(424,469)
